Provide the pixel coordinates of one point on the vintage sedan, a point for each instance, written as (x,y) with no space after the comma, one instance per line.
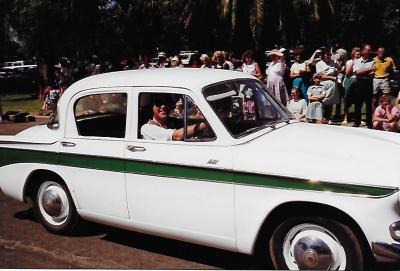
(210,157)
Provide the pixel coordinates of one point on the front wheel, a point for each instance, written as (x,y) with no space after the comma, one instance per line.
(54,207)
(315,243)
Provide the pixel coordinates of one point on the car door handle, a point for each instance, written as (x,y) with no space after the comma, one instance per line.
(135,148)
(67,144)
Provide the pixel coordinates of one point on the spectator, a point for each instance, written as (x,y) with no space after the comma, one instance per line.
(364,69)
(286,75)
(316,94)
(349,82)
(249,66)
(328,70)
(275,73)
(299,74)
(249,105)
(145,63)
(176,62)
(297,68)
(386,115)
(205,59)
(219,61)
(228,62)
(178,110)
(340,57)
(384,67)
(162,61)
(296,105)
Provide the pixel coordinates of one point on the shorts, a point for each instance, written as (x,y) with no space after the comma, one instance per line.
(381,86)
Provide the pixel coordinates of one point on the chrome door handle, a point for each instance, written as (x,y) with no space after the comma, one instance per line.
(133,148)
(67,144)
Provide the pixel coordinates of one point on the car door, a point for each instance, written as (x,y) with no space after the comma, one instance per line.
(92,151)
(181,189)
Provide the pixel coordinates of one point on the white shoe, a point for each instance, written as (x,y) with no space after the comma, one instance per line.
(363,123)
(344,122)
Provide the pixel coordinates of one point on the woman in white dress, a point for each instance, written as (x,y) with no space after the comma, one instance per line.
(296,105)
(275,72)
(249,65)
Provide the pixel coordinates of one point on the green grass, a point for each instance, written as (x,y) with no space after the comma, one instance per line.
(20,103)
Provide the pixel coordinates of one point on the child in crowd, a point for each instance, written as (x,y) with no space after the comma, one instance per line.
(50,99)
(386,115)
(316,94)
(297,105)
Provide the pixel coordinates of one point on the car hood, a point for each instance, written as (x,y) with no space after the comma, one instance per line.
(39,134)
(323,153)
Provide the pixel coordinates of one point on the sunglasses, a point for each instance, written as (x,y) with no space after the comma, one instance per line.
(161,102)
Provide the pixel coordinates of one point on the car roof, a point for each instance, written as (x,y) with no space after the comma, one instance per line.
(190,78)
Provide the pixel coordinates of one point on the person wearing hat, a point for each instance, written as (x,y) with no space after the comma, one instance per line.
(340,56)
(160,127)
(162,60)
(176,62)
(275,72)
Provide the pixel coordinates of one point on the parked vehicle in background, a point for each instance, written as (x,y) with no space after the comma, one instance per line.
(13,63)
(395,82)
(19,80)
(188,57)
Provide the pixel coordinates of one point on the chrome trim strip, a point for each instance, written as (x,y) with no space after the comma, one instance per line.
(14,142)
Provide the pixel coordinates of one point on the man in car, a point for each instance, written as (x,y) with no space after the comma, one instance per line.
(160,128)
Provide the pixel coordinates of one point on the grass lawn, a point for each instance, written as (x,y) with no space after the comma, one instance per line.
(20,103)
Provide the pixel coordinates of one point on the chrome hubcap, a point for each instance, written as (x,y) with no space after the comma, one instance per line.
(312,253)
(53,203)
(313,247)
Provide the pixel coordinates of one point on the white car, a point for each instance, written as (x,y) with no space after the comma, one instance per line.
(252,180)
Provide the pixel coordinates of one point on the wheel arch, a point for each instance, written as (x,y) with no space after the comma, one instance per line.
(303,208)
(36,177)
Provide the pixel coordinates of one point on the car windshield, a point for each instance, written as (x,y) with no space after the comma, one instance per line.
(244,106)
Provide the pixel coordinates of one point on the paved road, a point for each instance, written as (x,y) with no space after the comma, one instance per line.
(24,243)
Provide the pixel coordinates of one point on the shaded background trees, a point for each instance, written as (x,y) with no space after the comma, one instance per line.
(119,28)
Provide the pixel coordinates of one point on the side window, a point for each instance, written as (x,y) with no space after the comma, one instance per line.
(102,115)
(169,116)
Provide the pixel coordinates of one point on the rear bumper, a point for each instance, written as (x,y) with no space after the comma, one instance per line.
(385,252)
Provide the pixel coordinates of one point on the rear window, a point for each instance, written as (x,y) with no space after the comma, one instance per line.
(101,115)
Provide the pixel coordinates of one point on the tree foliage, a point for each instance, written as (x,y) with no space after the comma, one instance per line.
(120,28)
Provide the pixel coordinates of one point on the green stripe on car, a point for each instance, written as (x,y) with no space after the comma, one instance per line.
(12,156)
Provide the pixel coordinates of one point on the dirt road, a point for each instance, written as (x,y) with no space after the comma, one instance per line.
(24,243)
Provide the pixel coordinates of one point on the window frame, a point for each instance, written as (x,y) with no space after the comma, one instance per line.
(71,128)
(175,91)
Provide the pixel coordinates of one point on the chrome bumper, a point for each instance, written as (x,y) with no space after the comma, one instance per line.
(385,252)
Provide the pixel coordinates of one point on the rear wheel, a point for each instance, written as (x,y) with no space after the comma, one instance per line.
(315,243)
(54,207)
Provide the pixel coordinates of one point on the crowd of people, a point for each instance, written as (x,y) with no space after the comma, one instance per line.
(331,78)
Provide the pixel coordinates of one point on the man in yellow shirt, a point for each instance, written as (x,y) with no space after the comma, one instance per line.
(384,66)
